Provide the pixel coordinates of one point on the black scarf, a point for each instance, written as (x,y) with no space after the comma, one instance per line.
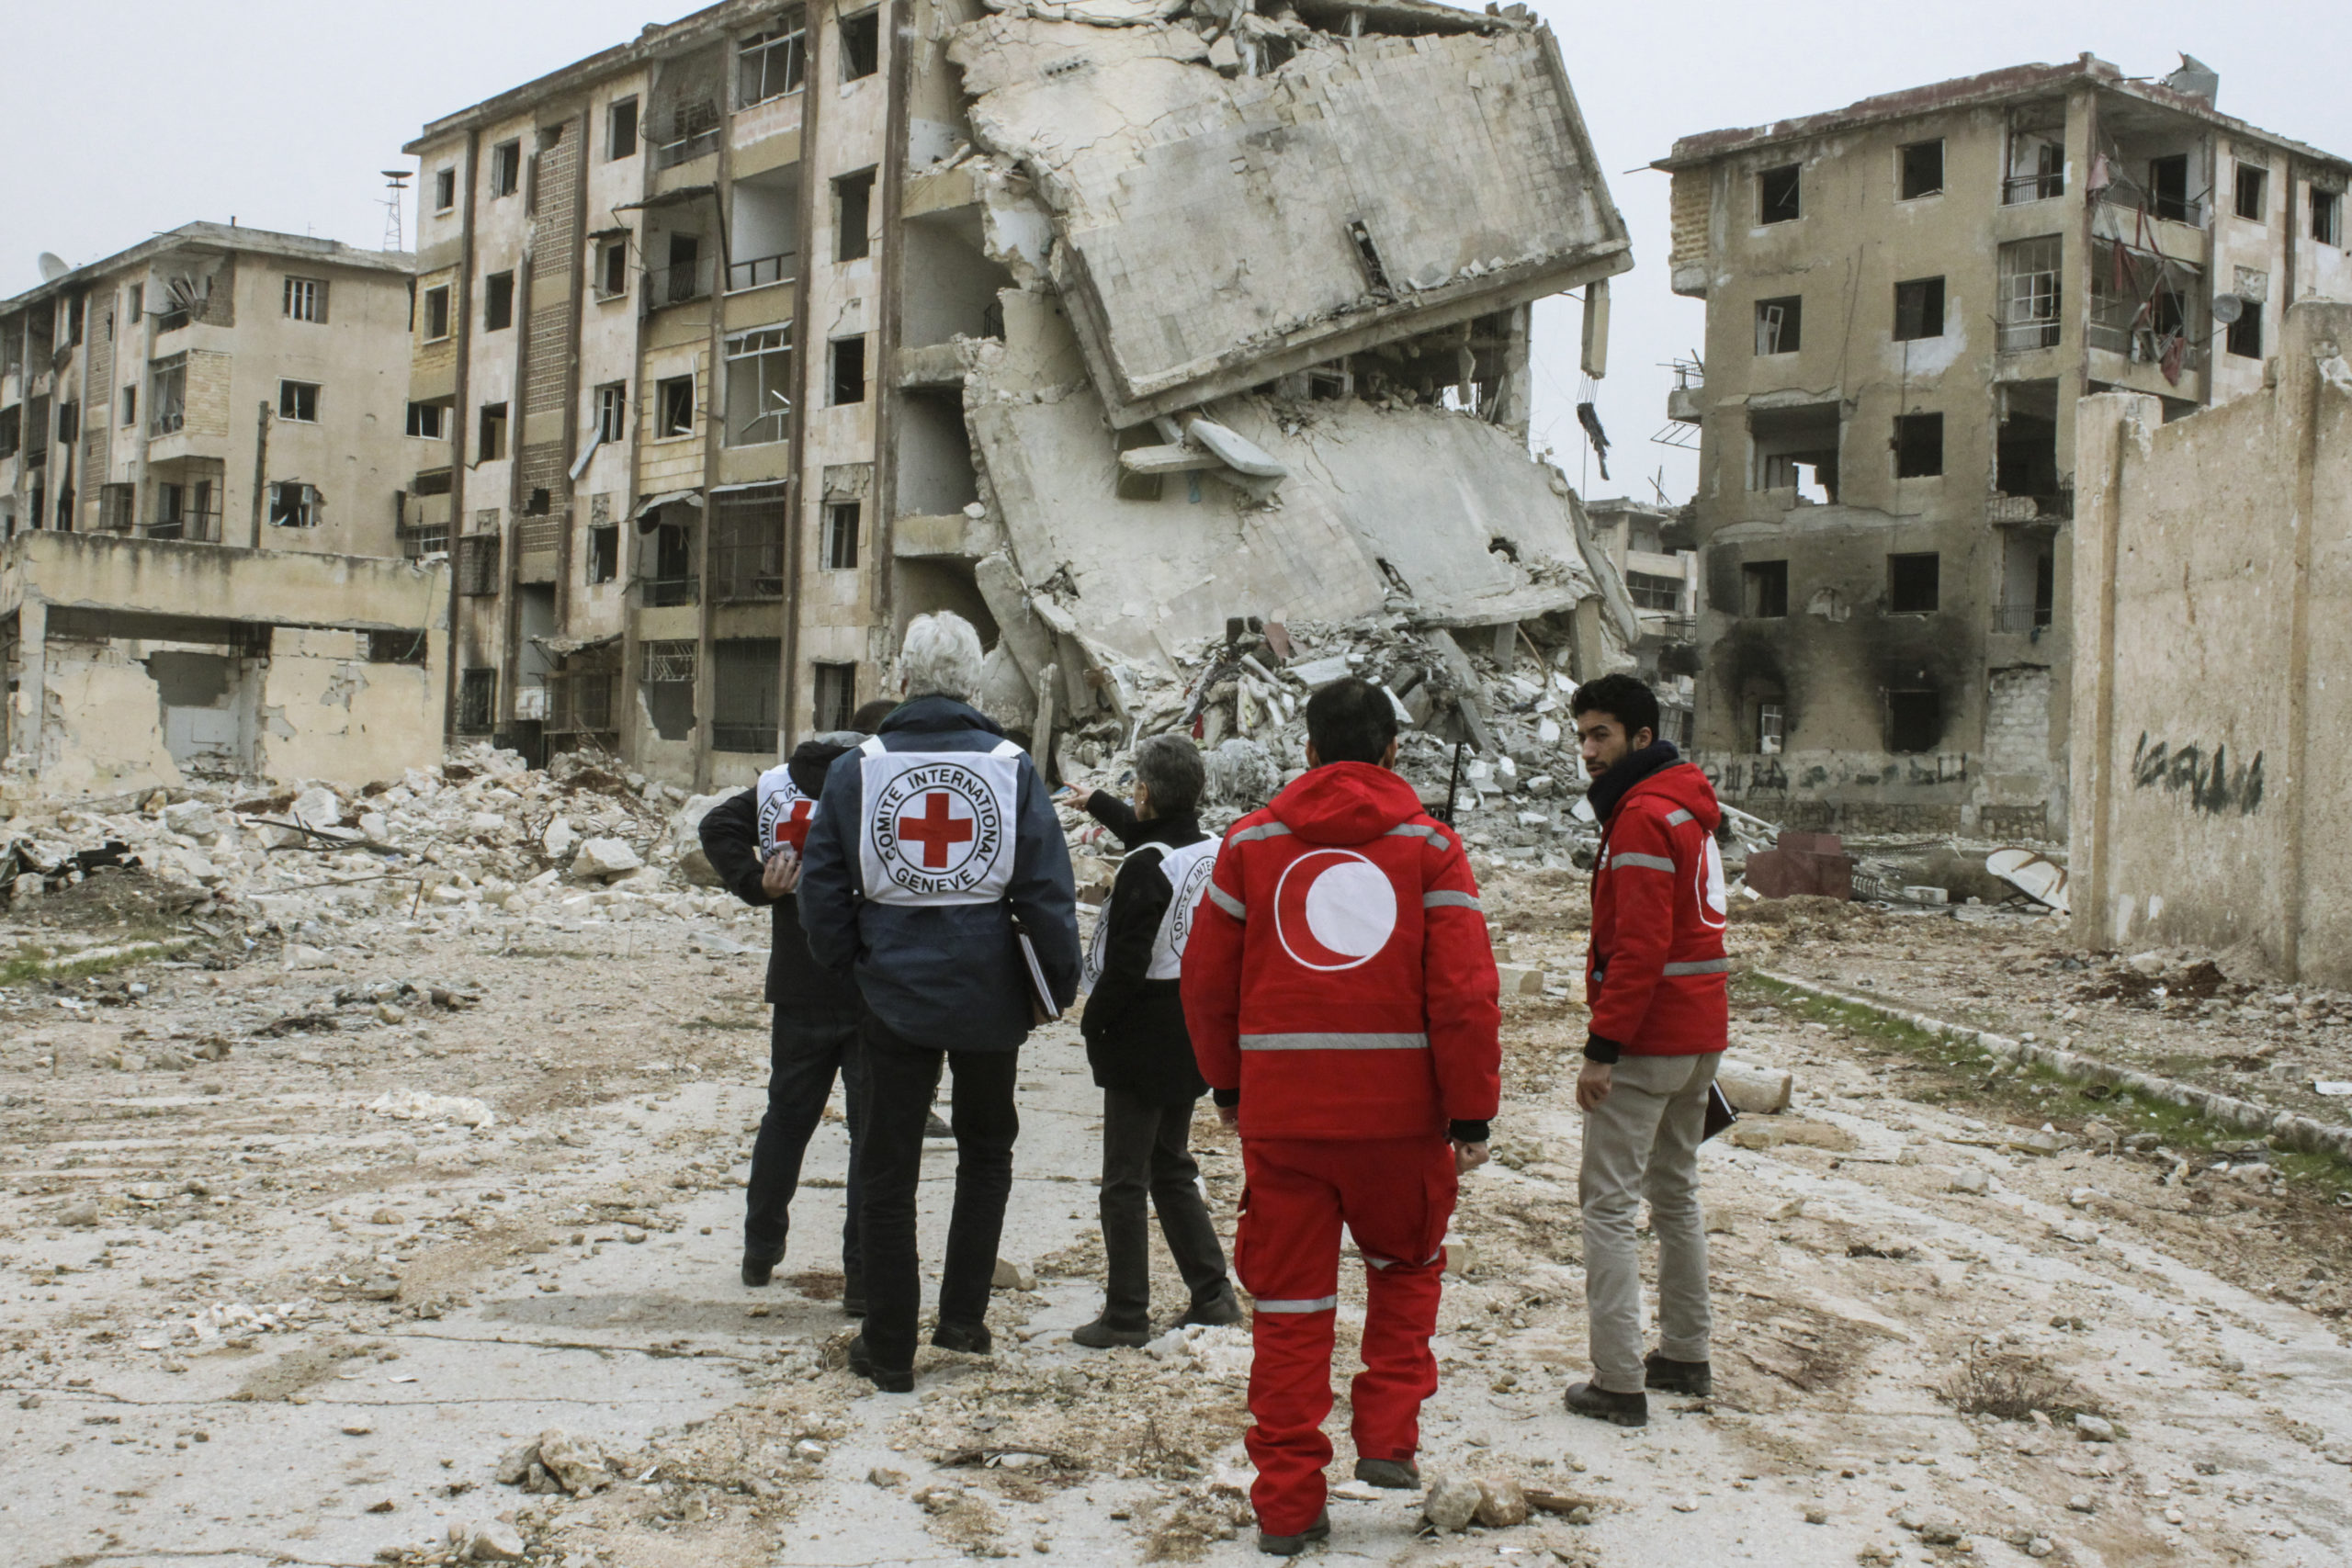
(1610,787)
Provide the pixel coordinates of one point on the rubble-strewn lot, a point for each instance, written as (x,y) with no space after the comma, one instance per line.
(342,1224)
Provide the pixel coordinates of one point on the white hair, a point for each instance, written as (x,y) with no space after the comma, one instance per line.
(940,655)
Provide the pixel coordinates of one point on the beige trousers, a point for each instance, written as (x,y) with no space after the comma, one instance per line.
(1644,1141)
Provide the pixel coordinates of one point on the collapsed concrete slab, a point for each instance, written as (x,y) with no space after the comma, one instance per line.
(1214,228)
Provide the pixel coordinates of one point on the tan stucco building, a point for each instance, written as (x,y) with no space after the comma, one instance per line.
(202,442)
(1905,298)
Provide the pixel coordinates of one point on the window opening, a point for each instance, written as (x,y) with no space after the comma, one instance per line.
(1779,325)
(1914,721)
(2169,188)
(2030,293)
(1913,583)
(298,401)
(1778,193)
(620,130)
(841,536)
(506,168)
(604,554)
(130,416)
(167,395)
(848,370)
(673,400)
(429,422)
(436,314)
(612,411)
(1923,169)
(1918,445)
(477,700)
(293,504)
(2253,192)
(306,299)
(1796,449)
(769,64)
(2327,217)
(1770,729)
(1764,590)
(2244,337)
(1918,309)
(498,302)
(834,688)
(852,216)
(445,190)
(759,387)
(746,674)
(492,445)
(861,45)
(612,269)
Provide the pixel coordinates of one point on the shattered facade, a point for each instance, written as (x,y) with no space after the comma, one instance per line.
(2214,617)
(1905,298)
(1657,562)
(202,442)
(1099,324)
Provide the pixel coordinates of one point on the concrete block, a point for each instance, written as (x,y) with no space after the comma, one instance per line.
(1519,981)
(1751,1090)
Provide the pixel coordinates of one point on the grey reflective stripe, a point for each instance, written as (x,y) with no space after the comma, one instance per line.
(1335,1042)
(1707,966)
(1644,862)
(1416,831)
(1319,1303)
(1227,902)
(1262,830)
(1676,818)
(1453,900)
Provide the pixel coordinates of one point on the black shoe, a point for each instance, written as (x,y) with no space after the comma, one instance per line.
(1222,1310)
(759,1271)
(972,1338)
(854,1295)
(1103,1334)
(1696,1378)
(1395,1475)
(1292,1545)
(886,1380)
(932,1127)
(1617,1409)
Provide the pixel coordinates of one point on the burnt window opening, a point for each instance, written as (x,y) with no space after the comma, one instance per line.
(1375,272)
(396,648)
(1914,721)
(1778,194)
(1914,583)
(620,130)
(498,302)
(69,421)
(1918,445)
(299,402)
(853,215)
(1796,449)
(604,553)
(846,374)
(1922,169)
(1764,590)
(2169,188)
(477,700)
(861,45)
(436,314)
(2327,217)
(2244,337)
(505,168)
(1779,325)
(834,689)
(1769,720)
(1918,309)
(1129,485)
(445,190)
(491,443)
(841,536)
(673,406)
(2252,193)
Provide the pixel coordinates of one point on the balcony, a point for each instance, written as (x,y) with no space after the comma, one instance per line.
(581,702)
(686,148)
(2022,618)
(762,271)
(2020,188)
(188,528)
(679,285)
(669,593)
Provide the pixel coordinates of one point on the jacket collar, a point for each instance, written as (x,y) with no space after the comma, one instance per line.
(1181,829)
(931,714)
(1609,791)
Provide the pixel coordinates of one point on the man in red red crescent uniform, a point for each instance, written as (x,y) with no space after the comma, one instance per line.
(1657,979)
(1341,991)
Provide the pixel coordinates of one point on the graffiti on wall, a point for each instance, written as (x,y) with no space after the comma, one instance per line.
(2214,784)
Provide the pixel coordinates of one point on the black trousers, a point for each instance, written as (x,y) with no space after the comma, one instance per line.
(803,1055)
(1146,1152)
(901,1080)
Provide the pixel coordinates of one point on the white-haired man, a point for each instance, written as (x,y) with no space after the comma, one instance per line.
(936,836)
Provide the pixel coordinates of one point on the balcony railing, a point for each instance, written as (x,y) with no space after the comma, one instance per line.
(2031,187)
(2023,617)
(190,527)
(678,285)
(761,271)
(167,420)
(747,572)
(668,592)
(686,148)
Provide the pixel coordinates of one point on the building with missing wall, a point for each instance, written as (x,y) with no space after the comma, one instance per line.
(1905,298)
(760,334)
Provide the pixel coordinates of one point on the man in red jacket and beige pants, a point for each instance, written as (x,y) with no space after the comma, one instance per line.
(1655,978)
(1340,992)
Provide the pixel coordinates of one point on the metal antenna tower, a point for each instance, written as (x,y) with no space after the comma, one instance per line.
(396,189)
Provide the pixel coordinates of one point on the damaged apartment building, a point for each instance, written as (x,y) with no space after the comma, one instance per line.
(202,440)
(1905,299)
(1101,323)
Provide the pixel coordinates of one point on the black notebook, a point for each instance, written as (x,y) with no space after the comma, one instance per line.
(1720,1114)
(1041,994)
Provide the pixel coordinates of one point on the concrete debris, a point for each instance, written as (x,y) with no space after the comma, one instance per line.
(415,1105)
(1452,1502)
(1501,1503)
(556,1462)
(1761,1090)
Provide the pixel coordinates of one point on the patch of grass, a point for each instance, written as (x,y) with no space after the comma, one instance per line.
(2011,1388)
(707,1021)
(33,963)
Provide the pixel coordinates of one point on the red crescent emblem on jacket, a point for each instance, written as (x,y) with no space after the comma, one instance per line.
(1333,910)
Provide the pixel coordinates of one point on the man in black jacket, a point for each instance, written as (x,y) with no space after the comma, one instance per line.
(937,850)
(753,842)
(1142,1054)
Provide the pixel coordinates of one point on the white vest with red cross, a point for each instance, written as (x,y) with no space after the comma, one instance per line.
(940,827)
(1188,870)
(784,812)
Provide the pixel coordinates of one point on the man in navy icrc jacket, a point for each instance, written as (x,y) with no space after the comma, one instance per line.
(935,837)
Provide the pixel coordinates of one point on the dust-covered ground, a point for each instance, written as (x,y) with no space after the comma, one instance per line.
(300,1261)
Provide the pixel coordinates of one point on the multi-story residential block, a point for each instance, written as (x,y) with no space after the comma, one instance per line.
(1905,297)
(761,333)
(1651,547)
(202,441)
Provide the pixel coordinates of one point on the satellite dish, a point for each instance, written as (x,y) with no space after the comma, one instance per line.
(2227,309)
(53,266)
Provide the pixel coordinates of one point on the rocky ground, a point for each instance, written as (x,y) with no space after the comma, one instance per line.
(360,1227)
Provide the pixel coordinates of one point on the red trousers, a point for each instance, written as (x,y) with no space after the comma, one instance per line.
(1395,1196)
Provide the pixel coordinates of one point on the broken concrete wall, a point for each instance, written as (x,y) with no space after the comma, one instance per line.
(1215,230)
(2213,589)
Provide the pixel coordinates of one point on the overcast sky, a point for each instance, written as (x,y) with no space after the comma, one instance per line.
(281,112)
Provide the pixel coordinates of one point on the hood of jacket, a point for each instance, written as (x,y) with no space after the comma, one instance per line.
(1686,787)
(934,714)
(813,756)
(1346,803)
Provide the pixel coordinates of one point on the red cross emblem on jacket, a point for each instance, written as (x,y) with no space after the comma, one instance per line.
(935,830)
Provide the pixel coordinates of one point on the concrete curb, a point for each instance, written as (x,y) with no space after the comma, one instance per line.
(2292,1129)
